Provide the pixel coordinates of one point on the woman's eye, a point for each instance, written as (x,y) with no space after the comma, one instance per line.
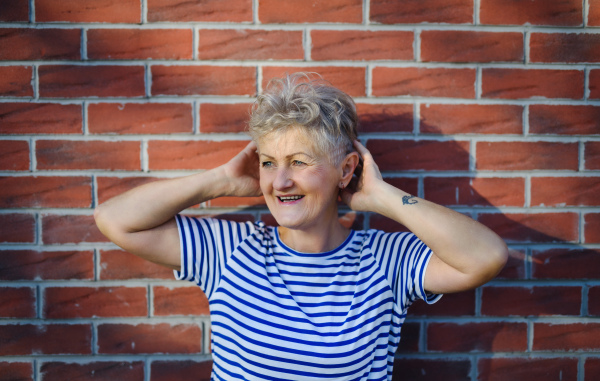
(265,164)
(297,162)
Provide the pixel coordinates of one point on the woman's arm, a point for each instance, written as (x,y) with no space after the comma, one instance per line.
(466,253)
(141,220)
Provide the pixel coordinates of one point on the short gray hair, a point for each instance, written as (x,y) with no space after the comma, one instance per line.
(305,100)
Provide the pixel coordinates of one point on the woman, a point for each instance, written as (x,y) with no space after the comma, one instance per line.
(310,299)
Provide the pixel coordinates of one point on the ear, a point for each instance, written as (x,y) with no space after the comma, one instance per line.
(347,167)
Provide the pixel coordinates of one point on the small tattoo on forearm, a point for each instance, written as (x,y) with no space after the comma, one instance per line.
(409,200)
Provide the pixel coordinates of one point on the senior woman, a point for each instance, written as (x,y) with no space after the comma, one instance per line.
(309,299)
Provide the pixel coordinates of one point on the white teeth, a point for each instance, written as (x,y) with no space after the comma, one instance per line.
(290,198)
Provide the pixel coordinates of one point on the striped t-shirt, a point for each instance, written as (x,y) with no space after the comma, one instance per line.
(278,314)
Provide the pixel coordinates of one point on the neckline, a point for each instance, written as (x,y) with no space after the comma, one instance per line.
(320,255)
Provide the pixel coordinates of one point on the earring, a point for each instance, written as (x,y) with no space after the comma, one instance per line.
(342,185)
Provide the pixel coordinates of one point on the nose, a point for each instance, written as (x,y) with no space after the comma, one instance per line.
(282,179)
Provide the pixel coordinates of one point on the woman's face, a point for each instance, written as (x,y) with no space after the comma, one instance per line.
(299,183)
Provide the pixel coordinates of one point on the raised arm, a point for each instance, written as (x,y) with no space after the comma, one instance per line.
(142,222)
(466,254)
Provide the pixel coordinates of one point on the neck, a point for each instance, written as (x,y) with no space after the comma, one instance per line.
(315,240)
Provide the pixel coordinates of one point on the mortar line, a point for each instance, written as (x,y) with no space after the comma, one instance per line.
(366,8)
(32,11)
(144,12)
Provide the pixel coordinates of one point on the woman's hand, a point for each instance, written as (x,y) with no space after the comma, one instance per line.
(361,194)
(242,173)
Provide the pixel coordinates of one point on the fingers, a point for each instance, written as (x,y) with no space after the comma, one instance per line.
(362,150)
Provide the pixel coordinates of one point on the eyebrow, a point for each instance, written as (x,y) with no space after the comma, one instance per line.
(288,156)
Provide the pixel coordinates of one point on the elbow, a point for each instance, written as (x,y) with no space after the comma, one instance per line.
(497,258)
(102,220)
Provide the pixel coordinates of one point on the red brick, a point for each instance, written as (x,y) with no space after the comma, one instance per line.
(100,370)
(17,228)
(108,155)
(458,304)
(594,84)
(206,10)
(561,191)
(11,371)
(380,222)
(471,119)
(566,337)
(563,119)
(431,369)
(70,229)
(250,44)
(111,11)
(21,44)
(416,11)
(361,45)
(179,301)
(88,302)
(403,155)
(526,369)
(534,12)
(14,155)
(407,184)
(541,227)
(180,370)
(533,301)
(203,80)
(496,191)
(139,44)
(16,81)
(348,79)
(109,187)
(290,11)
(191,154)
(14,10)
(470,46)
(424,82)
(64,81)
(592,366)
(17,302)
(410,338)
(519,156)
(566,264)
(592,155)
(140,118)
(564,47)
(477,337)
(40,118)
(531,83)
(515,266)
(149,338)
(45,192)
(385,117)
(120,265)
(592,227)
(48,339)
(594,14)
(36,265)
(224,117)
(594,301)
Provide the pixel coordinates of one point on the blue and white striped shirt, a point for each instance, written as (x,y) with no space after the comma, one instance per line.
(278,314)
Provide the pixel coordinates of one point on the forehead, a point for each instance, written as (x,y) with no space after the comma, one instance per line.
(286,142)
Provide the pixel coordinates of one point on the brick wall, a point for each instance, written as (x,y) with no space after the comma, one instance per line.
(491,107)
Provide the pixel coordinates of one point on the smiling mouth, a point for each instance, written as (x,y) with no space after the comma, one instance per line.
(289,198)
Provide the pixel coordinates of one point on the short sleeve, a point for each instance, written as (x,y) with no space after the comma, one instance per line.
(404,258)
(205,245)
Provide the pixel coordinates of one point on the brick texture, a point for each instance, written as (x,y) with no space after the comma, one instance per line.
(40,118)
(565,264)
(348,79)
(564,47)
(425,82)
(219,44)
(475,191)
(594,85)
(523,369)
(148,338)
(535,301)
(16,81)
(566,337)
(467,46)
(22,44)
(415,11)
(419,155)
(592,369)
(534,12)
(594,301)
(39,265)
(191,154)
(17,227)
(120,265)
(27,339)
(17,302)
(592,227)
(14,155)
(203,80)
(66,154)
(431,369)
(85,302)
(385,117)
(592,155)
(477,337)
(360,45)
(219,117)
(168,370)
(45,192)
(563,120)
(290,11)
(140,118)
(139,44)
(471,119)
(543,227)
(207,10)
(576,191)
(532,83)
(179,301)
(100,370)
(70,229)
(14,10)
(113,11)
(514,156)
(16,370)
